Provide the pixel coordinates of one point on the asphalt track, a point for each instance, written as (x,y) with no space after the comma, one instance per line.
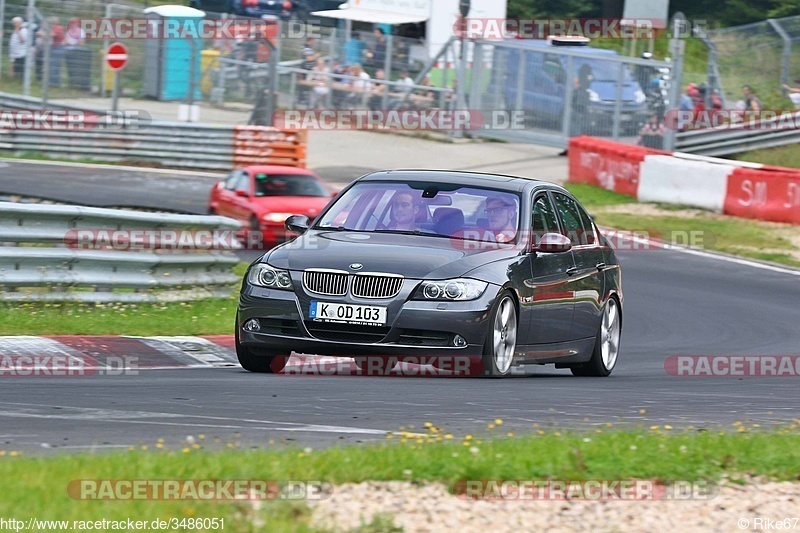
(675,303)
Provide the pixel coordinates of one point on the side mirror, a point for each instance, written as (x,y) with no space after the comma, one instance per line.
(297,224)
(553,243)
(242,193)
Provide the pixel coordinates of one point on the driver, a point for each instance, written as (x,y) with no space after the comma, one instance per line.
(502,215)
(404,212)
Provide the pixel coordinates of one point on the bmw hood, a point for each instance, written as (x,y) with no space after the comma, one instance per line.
(412,256)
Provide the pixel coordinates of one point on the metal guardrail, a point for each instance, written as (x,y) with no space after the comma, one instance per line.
(37,262)
(736,138)
(172,144)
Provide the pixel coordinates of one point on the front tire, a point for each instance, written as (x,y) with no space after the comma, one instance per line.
(261,364)
(606,345)
(501,339)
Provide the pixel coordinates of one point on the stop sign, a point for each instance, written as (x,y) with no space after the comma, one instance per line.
(117,56)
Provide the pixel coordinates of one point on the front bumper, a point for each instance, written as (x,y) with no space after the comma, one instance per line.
(414,328)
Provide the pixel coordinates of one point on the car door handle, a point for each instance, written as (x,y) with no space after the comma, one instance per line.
(571,271)
(600,266)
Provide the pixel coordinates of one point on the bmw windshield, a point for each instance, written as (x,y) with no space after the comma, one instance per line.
(426,208)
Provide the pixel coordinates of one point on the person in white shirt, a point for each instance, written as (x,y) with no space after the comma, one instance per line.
(360,83)
(16,47)
(406,80)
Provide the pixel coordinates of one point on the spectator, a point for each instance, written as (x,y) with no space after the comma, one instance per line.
(74,36)
(794,93)
(319,77)
(353,50)
(378,54)
(751,101)
(378,90)
(252,52)
(359,83)
(309,55)
(685,109)
(406,80)
(652,134)
(16,47)
(56,51)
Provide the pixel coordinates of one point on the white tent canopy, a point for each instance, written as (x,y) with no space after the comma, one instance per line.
(361,14)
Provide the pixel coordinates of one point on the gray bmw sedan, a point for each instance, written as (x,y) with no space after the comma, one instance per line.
(473,273)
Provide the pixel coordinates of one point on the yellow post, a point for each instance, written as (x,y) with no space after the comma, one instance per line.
(208,61)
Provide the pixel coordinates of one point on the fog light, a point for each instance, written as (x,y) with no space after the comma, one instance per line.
(459,341)
(252,325)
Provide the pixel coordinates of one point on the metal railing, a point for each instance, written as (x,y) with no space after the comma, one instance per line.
(172,144)
(736,138)
(40,259)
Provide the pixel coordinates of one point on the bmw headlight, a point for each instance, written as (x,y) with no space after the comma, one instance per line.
(267,276)
(593,96)
(450,289)
(639,97)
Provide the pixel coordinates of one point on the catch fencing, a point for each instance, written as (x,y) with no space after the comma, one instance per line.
(762,55)
(41,260)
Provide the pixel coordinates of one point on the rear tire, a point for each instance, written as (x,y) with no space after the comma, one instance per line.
(261,364)
(606,344)
(501,338)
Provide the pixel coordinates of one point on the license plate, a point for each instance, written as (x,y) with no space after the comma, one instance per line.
(625,117)
(349,314)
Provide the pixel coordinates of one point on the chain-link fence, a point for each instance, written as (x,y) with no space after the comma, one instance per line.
(533,91)
(762,55)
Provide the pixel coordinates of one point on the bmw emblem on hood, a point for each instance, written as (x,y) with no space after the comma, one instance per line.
(356,266)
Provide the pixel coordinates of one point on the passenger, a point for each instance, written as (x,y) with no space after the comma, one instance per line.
(502,215)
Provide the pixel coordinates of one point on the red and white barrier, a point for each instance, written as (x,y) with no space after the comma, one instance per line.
(742,189)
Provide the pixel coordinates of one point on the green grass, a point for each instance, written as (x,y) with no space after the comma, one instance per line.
(784,156)
(592,197)
(210,316)
(40,483)
(732,235)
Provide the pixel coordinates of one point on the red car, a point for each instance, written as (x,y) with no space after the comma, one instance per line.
(263,197)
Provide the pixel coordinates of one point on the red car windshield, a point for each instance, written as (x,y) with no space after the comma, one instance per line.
(289,185)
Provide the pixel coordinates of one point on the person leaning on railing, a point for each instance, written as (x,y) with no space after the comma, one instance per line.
(377,90)
(794,93)
(319,77)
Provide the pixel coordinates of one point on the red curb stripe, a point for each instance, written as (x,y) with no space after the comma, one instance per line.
(104,347)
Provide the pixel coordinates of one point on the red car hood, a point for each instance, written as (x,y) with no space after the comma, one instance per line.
(294,205)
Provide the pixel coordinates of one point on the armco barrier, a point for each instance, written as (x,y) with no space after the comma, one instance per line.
(171,144)
(764,195)
(736,188)
(40,259)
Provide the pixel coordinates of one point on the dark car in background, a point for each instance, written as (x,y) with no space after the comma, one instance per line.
(246,8)
(475,272)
